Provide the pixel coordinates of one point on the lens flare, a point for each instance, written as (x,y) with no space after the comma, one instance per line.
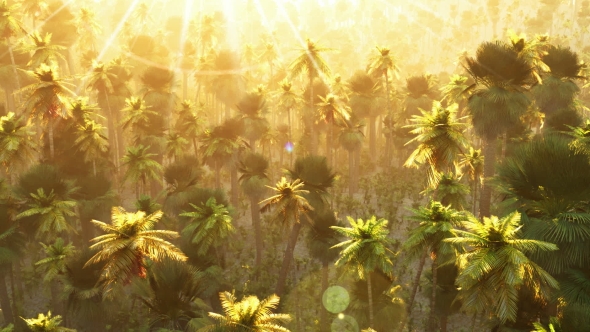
(344,323)
(289,147)
(336,299)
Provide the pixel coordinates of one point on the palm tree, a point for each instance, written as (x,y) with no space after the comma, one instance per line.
(450,191)
(171,292)
(10,27)
(249,314)
(332,109)
(381,65)
(311,62)
(33,9)
(269,55)
(455,92)
(208,225)
(220,146)
(420,94)
(351,138)
(254,180)
(471,163)
(495,265)
(436,222)
(287,101)
(46,323)
(251,107)
(54,266)
(363,104)
(42,50)
(497,103)
(289,205)
(175,145)
(92,142)
(440,137)
(190,122)
(47,99)
(17,146)
(227,84)
(102,79)
(141,167)
(88,28)
(138,116)
(129,242)
(556,96)
(365,250)
(317,178)
(320,239)
(50,214)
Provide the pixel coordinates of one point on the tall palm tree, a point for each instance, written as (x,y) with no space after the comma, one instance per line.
(92,142)
(320,239)
(176,145)
(10,27)
(53,266)
(310,61)
(351,138)
(497,103)
(129,241)
(317,178)
(455,92)
(436,222)
(46,323)
(190,122)
(556,95)
(47,99)
(88,28)
(249,314)
(17,145)
(382,64)
(440,139)
(221,146)
(471,163)
(288,100)
(289,205)
(495,265)
(209,224)
(42,50)
(141,167)
(365,250)
(50,214)
(251,107)
(254,181)
(138,117)
(102,79)
(227,83)
(331,109)
(420,93)
(364,92)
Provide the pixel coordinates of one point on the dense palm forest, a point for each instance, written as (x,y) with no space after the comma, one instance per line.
(294,165)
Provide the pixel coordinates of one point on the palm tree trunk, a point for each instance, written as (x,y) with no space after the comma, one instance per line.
(485,199)
(288,258)
(444,320)
(195,147)
(312,131)
(10,102)
(184,84)
(432,317)
(255,210)
(4,299)
(370,295)
(217,175)
(474,200)
(94,167)
(351,172)
(50,134)
(234,183)
(13,63)
(329,151)
(113,132)
(253,146)
(414,289)
(390,115)
(357,167)
(324,327)
(372,139)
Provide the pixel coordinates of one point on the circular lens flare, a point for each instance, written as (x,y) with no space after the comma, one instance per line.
(336,299)
(289,147)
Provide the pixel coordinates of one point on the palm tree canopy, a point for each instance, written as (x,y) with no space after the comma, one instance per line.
(495,266)
(317,178)
(249,314)
(17,146)
(129,240)
(140,164)
(46,323)
(310,61)
(366,248)
(440,137)
(209,224)
(289,201)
